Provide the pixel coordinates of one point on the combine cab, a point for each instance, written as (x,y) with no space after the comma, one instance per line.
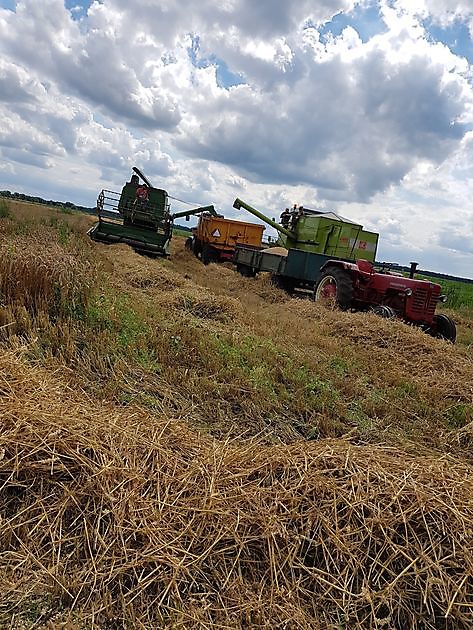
(333,258)
(138,216)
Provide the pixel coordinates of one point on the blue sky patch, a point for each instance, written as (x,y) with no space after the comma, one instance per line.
(78,8)
(8,4)
(365,21)
(225,77)
(456,36)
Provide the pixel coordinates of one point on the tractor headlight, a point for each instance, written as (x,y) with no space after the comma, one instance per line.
(443,298)
(408,292)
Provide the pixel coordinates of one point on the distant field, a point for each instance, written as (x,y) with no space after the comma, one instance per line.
(177,231)
(459,293)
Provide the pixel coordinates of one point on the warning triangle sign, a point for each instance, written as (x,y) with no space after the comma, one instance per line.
(216,233)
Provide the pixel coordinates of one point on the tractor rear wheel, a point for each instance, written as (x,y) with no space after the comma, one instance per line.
(335,284)
(444,328)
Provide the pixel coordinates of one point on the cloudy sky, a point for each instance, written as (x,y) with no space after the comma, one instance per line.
(363,107)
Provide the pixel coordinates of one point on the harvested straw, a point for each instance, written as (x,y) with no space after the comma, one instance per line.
(133,521)
(200,302)
(149,274)
(277,251)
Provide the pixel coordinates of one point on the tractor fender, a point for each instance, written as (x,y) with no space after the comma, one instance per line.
(360,267)
(341,264)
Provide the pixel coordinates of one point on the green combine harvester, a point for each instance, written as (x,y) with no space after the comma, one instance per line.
(139,216)
(320,233)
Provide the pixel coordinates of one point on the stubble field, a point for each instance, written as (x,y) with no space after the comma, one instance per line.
(181,447)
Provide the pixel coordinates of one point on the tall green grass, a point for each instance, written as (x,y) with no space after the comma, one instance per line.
(459,293)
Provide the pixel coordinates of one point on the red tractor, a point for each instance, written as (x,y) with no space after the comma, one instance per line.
(358,286)
(322,253)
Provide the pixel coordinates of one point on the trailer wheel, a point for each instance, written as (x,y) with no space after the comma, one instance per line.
(335,284)
(444,328)
(189,244)
(286,284)
(197,247)
(207,255)
(248,272)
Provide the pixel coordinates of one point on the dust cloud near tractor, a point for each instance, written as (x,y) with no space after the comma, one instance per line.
(139,216)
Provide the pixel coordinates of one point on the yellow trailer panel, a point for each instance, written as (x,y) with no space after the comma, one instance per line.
(226,233)
(214,239)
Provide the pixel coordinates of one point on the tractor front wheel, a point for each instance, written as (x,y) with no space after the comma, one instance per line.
(384,311)
(444,328)
(335,285)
